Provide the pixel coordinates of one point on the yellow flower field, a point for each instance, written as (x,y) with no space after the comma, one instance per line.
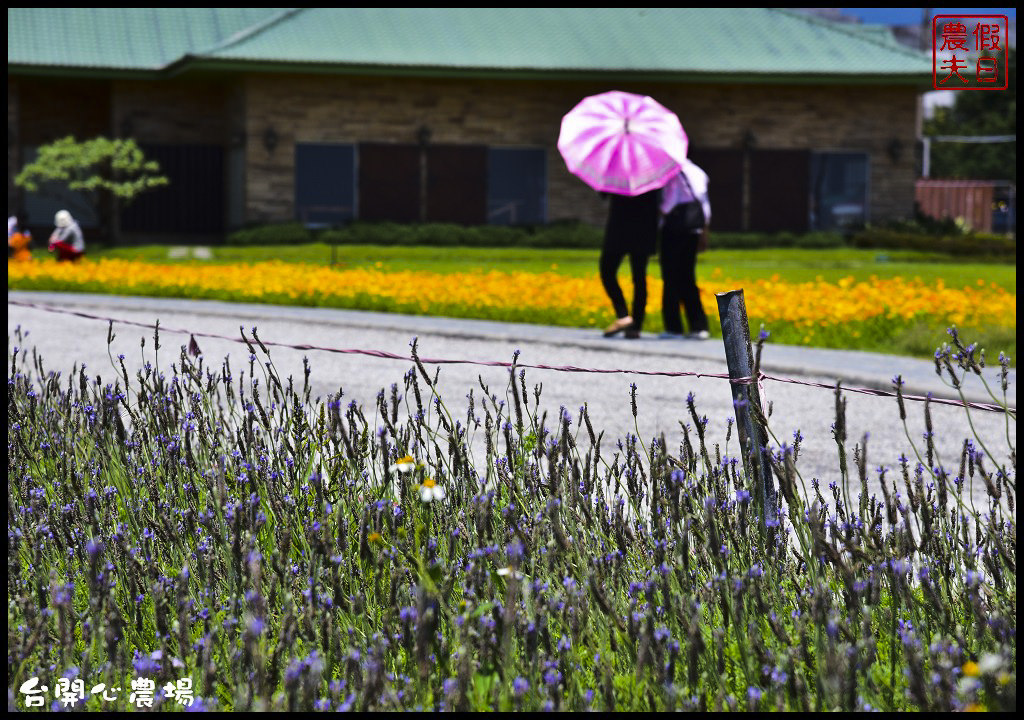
(803,310)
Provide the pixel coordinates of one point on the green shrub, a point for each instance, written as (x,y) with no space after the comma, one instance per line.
(975,244)
(819,240)
(744,240)
(292,233)
(567,235)
(562,235)
(574,234)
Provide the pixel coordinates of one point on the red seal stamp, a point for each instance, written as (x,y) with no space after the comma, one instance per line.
(970,52)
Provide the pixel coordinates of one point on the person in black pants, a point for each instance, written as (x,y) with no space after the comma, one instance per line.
(684,233)
(632,229)
(679,272)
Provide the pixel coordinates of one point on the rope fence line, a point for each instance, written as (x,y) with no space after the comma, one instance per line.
(990,407)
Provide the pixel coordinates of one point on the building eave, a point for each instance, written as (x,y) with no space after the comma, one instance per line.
(190,64)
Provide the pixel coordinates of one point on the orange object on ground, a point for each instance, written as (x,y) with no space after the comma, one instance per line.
(17,246)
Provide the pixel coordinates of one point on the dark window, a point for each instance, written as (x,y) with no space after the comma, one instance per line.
(193,201)
(389,182)
(779,190)
(467,184)
(456,184)
(325,183)
(725,186)
(516,186)
(840,190)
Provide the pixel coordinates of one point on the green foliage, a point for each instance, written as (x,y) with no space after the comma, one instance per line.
(100,166)
(922,224)
(921,234)
(564,234)
(293,233)
(974,245)
(556,235)
(739,240)
(991,112)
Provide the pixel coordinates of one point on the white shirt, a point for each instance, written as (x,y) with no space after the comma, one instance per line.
(690,184)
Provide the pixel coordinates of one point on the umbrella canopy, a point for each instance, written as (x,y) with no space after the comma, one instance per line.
(622,143)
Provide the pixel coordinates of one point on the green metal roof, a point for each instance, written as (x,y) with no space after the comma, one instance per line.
(123,38)
(690,43)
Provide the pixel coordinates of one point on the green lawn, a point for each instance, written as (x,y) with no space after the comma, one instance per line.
(790,264)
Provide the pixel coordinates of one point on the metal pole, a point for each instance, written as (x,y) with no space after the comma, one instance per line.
(746,399)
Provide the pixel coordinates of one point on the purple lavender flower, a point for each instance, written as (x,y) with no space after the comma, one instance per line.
(552,677)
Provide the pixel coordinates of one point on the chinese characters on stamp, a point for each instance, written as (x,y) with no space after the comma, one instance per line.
(970,52)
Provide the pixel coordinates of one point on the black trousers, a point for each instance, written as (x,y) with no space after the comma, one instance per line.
(678,261)
(611,259)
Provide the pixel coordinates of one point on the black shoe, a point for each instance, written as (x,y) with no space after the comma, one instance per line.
(632,334)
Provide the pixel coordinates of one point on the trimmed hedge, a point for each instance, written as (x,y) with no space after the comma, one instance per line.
(972,245)
(292,233)
(571,234)
(561,235)
(742,241)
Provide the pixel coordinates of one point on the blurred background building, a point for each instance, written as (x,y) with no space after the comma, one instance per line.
(325,115)
(967,145)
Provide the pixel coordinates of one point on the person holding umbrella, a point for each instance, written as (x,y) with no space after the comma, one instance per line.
(684,233)
(626,146)
(631,229)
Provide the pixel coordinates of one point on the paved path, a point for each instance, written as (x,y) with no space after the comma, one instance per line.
(64,339)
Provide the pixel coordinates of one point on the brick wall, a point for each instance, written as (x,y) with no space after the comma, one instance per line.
(528,113)
(177,111)
(235,113)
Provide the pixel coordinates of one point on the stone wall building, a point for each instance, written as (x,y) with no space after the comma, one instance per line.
(331,115)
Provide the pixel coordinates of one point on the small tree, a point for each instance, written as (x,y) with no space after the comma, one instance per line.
(112,172)
(977,113)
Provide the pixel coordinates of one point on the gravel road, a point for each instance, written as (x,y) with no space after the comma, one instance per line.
(63,340)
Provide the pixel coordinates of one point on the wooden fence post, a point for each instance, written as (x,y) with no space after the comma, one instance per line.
(746,399)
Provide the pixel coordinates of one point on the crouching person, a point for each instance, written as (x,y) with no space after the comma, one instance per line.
(67,240)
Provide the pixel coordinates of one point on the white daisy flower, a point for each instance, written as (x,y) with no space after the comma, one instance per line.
(430,490)
(405,464)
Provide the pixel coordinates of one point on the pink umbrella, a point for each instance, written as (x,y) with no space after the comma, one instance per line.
(622,143)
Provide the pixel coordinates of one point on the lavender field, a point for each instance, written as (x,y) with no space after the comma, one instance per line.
(201,536)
